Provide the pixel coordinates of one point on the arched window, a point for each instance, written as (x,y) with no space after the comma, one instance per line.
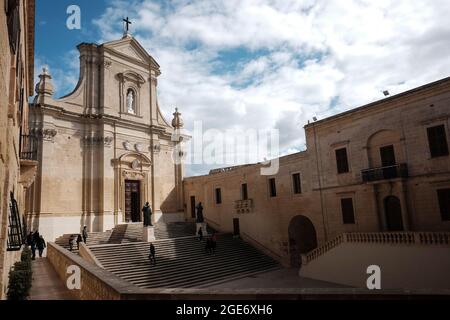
(131,101)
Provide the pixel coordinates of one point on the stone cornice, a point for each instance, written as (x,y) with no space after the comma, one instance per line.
(107,119)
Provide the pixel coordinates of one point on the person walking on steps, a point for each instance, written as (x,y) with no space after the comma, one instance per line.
(152,255)
(213,242)
(85,234)
(208,246)
(41,246)
(200,234)
(79,239)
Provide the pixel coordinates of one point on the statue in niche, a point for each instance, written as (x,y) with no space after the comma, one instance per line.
(131,102)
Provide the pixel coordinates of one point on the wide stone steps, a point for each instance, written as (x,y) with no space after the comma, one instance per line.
(127,233)
(183,262)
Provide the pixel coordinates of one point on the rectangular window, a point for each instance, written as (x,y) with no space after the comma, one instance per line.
(444,203)
(437,140)
(244,192)
(218,196)
(342,161)
(272,188)
(348,213)
(297,183)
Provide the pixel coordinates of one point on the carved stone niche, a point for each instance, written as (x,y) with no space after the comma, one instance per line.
(134,81)
(133,162)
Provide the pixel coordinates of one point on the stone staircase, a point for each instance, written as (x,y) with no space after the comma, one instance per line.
(183,262)
(126,233)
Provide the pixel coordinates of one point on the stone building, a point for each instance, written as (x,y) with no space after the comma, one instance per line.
(381,167)
(105,149)
(17,156)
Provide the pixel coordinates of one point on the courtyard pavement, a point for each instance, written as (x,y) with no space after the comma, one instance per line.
(284,278)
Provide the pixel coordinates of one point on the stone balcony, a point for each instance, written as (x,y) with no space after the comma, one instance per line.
(28,160)
(243,206)
(399,171)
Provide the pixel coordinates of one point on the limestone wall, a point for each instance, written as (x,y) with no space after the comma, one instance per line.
(402,267)
(400,121)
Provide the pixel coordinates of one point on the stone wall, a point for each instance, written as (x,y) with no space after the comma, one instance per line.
(12,119)
(400,121)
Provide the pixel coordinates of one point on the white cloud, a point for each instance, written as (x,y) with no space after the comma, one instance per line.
(306,54)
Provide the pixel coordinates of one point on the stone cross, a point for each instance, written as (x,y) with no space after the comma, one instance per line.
(127,24)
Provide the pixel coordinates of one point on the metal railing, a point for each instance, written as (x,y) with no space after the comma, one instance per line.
(28,147)
(385,173)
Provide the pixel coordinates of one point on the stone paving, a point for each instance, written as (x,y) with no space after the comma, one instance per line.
(284,278)
(46,283)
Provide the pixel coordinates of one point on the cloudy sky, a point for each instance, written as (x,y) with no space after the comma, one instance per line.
(261,64)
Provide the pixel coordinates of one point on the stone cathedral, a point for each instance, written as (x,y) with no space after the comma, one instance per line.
(105,149)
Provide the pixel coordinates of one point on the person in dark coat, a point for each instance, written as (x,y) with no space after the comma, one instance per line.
(213,242)
(41,245)
(200,234)
(208,246)
(147,211)
(34,244)
(85,234)
(30,239)
(152,254)
(79,239)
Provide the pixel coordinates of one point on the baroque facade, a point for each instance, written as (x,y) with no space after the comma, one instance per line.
(17,157)
(105,149)
(381,167)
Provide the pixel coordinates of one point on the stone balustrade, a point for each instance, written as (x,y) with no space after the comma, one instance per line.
(387,238)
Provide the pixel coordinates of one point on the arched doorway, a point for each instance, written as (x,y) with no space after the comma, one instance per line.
(393,212)
(302,239)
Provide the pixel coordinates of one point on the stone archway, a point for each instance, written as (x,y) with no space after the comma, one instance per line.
(302,239)
(393,212)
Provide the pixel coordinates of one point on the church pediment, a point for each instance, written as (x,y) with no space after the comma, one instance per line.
(128,47)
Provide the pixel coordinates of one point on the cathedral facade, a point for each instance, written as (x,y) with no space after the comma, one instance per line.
(105,149)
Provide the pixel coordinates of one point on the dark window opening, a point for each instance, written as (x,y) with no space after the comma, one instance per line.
(244,192)
(272,187)
(218,196)
(296,180)
(437,141)
(342,161)
(444,203)
(13,21)
(348,213)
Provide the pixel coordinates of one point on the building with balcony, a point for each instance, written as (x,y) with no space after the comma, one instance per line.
(17,149)
(382,167)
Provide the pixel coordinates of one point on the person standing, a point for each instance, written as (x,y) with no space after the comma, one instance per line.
(30,239)
(213,242)
(34,244)
(200,234)
(152,255)
(79,239)
(41,246)
(85,234)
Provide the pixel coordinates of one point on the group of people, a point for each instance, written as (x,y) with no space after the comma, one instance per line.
(36,241)
(80,238)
